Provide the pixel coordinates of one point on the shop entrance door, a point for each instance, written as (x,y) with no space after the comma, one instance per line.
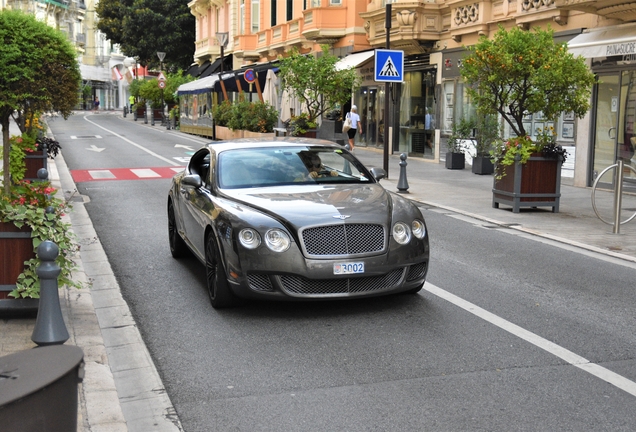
(614,135)
(370,104)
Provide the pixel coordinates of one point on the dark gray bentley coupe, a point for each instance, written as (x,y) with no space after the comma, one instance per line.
(294,219)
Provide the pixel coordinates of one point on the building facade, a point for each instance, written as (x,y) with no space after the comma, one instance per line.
(434,35)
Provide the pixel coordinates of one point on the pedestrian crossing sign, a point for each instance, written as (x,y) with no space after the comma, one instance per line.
(389,65)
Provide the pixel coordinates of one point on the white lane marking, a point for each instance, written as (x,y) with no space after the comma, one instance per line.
(145,173)
(574,359)
(101,174)
(95,148)
(133,143)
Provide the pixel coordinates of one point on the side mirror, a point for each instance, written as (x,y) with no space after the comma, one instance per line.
(378,173)
(193,180)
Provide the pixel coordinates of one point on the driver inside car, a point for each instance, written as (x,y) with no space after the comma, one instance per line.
(315,167)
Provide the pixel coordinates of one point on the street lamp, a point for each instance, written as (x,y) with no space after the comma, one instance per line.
(222,38)
(161,56)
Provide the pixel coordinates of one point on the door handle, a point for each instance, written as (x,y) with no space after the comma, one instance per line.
(609,133)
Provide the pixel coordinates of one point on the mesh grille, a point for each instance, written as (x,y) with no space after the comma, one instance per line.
(416,271)
(343,239)
(301,285)
(260,282)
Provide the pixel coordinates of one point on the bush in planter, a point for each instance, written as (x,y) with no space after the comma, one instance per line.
(300,124)
(260,117)
(222,113)
(34,205)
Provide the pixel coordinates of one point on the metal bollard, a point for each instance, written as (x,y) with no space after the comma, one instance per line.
(125,111)
(146,116)
(50,328)
(135,114)
(403,184)
(152,117)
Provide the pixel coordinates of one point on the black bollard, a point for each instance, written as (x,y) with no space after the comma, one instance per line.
(403,184)
(152,117)
(125,111)
(49,326)
(135,114)
(146,116)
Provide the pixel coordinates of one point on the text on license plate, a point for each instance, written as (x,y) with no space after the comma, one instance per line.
(348,268)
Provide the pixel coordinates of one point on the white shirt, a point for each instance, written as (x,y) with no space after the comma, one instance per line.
(355,119)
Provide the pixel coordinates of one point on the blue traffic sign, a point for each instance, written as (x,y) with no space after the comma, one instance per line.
(389,65)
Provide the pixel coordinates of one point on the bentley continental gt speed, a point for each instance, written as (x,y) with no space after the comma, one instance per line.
(294,219)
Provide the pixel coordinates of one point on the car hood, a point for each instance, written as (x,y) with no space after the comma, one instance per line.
(319,204)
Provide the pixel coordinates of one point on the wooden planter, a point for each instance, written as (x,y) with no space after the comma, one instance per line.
(16,247)
(249,134)
(34,162)
(537,183)
(483,165)
(455,160)
(225,133)
(312,133)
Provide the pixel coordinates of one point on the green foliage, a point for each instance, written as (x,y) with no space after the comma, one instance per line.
(245,115)
(135,86)
(143,27)
(520,72)
(26,205)
(39,73)
(521,148)
(173,81)
(222,113)
(316,82)
(486,133)
(300,124)
(150,91)
(462,131)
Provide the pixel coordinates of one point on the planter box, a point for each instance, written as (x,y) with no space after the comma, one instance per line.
(312,133)
(249,134)
(16,247)
(483,165)
(455,160)
(34,162)
(225,133)
(537,183)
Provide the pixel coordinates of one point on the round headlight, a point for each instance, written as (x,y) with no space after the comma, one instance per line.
(401,233)
(419,230)
(277,240)
(249,238)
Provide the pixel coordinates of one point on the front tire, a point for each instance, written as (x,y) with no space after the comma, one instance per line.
(218,288)
(178,247)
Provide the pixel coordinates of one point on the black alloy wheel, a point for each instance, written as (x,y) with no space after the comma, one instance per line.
(178,247)
(220,294)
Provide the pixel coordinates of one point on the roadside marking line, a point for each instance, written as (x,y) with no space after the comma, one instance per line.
(574,359)
(80,176)
(145,173)
(133,143)
(101,174)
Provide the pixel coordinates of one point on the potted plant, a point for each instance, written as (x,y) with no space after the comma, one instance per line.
(29,215)
(520,72)
(222,114)
(254,119)
(458,140)
(315,81)
(302,126)
(486,134)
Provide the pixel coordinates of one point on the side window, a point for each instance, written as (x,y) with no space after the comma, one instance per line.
(200,164)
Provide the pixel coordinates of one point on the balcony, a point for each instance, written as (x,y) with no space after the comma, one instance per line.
(245,47)
(206,49)
(325,25)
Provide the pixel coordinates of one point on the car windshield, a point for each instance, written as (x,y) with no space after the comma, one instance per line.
(258,167)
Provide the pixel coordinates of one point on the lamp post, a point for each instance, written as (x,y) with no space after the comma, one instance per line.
(161,56)
(222,38)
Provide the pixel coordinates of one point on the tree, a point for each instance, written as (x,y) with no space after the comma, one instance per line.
(316,82)
(520,72)
(39,73)
(143,27)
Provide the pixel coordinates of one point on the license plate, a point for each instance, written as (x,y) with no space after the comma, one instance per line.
(348,268)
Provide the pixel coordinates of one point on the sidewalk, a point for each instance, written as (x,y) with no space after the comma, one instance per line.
(122,390)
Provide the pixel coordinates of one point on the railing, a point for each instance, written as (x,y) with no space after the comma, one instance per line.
(618,195)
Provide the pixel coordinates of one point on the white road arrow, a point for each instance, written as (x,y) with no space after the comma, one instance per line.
(183,146)
(95,148)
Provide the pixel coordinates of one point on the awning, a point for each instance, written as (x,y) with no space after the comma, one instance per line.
(605,42)
(354,60)
(202,85)
(230,77)
(216,67)
(195,70)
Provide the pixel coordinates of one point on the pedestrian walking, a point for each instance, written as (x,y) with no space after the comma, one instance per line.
(96,103)
(131,100)
(355,125)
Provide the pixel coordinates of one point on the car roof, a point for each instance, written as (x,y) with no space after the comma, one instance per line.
(278,142)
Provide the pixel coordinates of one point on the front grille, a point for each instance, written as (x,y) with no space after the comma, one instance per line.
(345,239)
(416,271)
(301,285)
(260,282)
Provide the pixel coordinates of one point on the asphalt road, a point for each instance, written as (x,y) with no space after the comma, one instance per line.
(510,333)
